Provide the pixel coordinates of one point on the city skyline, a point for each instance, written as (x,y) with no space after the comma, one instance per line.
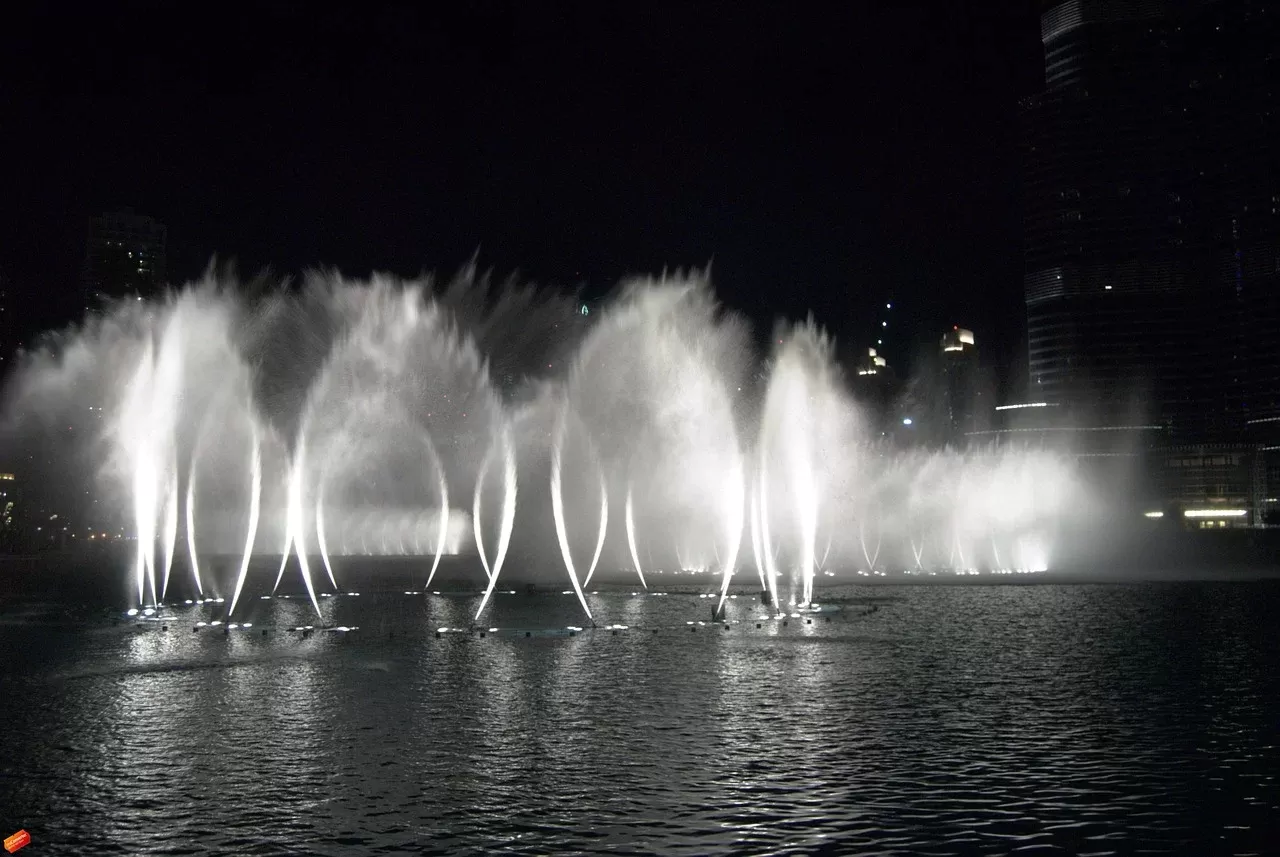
(1146,293)
(820,170)
(650,428)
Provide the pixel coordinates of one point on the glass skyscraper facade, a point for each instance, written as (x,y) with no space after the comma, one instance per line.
(124,256)
(1152,214)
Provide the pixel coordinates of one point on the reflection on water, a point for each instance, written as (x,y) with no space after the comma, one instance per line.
(952,719)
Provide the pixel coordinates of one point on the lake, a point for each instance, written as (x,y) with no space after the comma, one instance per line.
(1084,719)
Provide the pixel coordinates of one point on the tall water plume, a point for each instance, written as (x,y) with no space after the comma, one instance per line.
(808,441)
(653,389)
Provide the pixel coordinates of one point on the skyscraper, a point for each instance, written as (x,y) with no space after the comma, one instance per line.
(962,387)
(875,388)
(8,340)
(1152,214)
(125,256)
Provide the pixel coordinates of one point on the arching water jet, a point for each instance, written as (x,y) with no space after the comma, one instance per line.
(918,552)
(756,551)
(557,504)
(604,524)
(442,486)
(144,513)
(255,508)
(822,563)
(170,527)
(629,514)
(871,558)
(321,541)
(294,524)
(477,508)
(766,540)
(509,482)
(732,511)
(192,556)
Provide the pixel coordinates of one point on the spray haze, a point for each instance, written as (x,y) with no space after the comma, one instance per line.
(430,420)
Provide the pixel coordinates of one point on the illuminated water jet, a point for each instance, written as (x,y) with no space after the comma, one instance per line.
(557,505)
(255,509)
(294,518)
(629,514)
(170,527)
(644,407)
(756,550)
(734,498)
(826,552)
(442,486)
(192,557)
(507,523)
(918,553)
(862,538)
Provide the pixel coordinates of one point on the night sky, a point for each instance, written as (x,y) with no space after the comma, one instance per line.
(827,162)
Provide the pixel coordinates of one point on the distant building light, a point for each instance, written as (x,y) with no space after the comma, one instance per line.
(906,421)
(953,348)
(888,306)
(1023,405)
(7,477)
(966,336)
(1215,513)
(1262,420)
(879,361)
(1065,428)
(884,324)
(1153,514)
(866,371)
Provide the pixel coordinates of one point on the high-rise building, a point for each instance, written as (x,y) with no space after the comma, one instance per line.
(1152,214)
(124,257)
(8,339)
(875,388)
(10,540)
(964,402)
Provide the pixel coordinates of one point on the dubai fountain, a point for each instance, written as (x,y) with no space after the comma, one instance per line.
(411,419)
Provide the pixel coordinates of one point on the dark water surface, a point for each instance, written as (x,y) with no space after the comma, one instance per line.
(986,719)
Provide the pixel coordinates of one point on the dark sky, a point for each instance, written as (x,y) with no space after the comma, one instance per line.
(826,161)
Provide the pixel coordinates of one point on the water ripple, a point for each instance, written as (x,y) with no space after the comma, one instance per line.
(985,720)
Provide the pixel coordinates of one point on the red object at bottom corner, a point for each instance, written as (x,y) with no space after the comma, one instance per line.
(16,841)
